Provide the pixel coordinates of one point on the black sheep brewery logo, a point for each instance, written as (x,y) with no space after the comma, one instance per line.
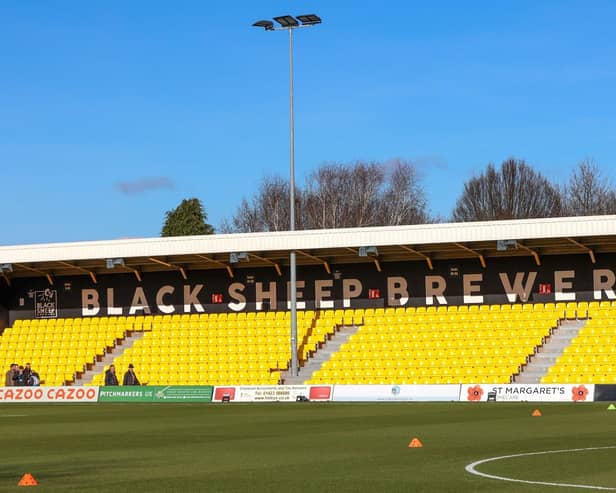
(46,303)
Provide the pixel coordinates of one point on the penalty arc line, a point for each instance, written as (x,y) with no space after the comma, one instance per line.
(471,468)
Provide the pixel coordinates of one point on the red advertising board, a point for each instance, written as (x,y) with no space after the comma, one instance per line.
(320,393)
(220,392)
(48,394)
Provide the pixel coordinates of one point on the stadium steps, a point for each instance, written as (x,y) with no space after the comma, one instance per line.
(108,359)
(549,352)
(321,356)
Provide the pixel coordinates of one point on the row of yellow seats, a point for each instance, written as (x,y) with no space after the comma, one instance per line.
(448,344)
(466,326)
(59,332)
(410,372)
(214,343)
(47,340)
(231,324)
(217,351)
(180,378)
(411,363)
(450,336)
(456,316)
(579,378)
(64,338)
(412,381)
(596,349)
(583,368)
(181,366)
(324,313)
(218,356)
(581,358)
(594,340)
(72,346)
(599,329)
(31,356)
(235,323)
(335,375)
(59,339)
(282,355)
(434,353)
(155,319)
(437,352)
(216,365)
(229,341)
(601,315)
(219,341)
(223,331)
(230,376)
(453,334)
(474,308)
(264,340)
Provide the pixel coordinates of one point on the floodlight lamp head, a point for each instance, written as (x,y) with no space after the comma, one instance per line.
(287,21)
(236,257)
(267,25)
(309,19)
(112,263)
(504,245)
(368,251)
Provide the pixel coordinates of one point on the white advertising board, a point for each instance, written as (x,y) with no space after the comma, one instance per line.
(48,394)
(272,393)
(529,392)
(407,393)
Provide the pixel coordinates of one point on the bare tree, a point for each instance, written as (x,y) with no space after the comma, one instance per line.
(589,192)
(515,191)
(267,211)
(404,201)
(342,195)
(337,196)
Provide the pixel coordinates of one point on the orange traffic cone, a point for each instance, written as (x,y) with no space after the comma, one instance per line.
(415,443)
(536,412)
(27,480)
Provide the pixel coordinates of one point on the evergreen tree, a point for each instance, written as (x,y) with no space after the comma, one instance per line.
(187,219)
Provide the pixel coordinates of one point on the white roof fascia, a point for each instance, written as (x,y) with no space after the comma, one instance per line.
(314,239)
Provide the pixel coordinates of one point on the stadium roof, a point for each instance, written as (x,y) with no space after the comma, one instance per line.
(427,243)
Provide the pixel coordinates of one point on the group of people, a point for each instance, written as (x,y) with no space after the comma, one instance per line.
(130,378)
(19,376)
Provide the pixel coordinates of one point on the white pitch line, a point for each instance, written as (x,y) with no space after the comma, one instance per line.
(471,468)
(13,415)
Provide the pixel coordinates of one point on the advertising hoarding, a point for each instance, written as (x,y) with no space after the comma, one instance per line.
(157,393)
(528,392)
(372,393)
(48,394)
(273,393)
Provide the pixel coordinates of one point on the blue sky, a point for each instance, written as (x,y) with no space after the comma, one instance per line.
(112,112)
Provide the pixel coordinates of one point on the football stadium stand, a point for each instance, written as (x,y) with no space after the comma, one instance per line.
(489,302)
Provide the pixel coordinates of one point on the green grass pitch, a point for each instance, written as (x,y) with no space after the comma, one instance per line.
(303,447)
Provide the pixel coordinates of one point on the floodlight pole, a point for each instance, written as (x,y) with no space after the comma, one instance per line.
(290,23)
(292,260)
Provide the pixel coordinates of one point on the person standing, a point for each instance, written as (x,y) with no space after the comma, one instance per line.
(10,382)
(110,377)
(27,374)
(18,377)
(130,378)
